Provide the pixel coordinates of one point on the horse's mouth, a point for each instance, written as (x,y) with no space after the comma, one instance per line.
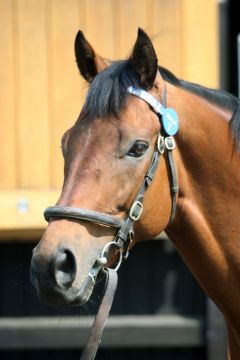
(68,297)
(88,285)
(73,296)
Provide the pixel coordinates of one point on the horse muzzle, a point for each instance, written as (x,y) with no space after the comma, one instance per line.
(57,281)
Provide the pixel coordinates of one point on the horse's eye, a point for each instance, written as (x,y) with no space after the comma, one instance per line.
(138,148)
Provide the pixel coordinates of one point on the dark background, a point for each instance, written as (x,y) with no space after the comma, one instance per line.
(153,280)
(230,21)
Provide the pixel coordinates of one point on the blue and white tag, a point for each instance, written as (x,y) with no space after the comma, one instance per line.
(169,116)
(170,121)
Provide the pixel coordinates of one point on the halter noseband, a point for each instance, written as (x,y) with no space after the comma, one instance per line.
(165,143)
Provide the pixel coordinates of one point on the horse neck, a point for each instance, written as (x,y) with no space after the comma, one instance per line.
(206,230)
(207,161)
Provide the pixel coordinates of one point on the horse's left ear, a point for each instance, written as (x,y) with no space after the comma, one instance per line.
(88,61)
(144,60)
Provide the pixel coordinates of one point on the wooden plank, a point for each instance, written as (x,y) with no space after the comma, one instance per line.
(120,331)
(164,27)
(33,123)
(64,20)
(200,42)
(22,209)
(7,97)
(100,26)
(130,16)
(21,235)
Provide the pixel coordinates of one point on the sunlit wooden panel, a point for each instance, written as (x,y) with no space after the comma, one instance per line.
(64,20)
(23,209)
(33,169)
(7,97)
(199,46)
(164,28)
(100,26)
(128,16)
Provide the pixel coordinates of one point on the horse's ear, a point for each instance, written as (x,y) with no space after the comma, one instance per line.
(144,60)
(89,63)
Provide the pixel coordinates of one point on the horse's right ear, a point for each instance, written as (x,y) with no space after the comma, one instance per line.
(89,63)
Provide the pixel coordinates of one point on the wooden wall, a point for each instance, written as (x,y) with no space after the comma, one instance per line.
(41,92)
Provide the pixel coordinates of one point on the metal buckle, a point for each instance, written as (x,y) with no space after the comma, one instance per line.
(136,210)
(160,144)
(102,260)
(170,143)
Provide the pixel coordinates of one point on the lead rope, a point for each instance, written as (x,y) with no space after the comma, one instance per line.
(173,184)
(94,338)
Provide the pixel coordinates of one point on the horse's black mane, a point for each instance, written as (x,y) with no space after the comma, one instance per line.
(218,97)
(107,93)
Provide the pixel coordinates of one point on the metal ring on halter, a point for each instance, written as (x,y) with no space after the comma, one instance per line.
(161,144)
(102,260)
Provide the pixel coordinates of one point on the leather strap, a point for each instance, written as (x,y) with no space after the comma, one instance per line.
(95,335)
(173,185)
(124,235)
(68,212)
(173,171)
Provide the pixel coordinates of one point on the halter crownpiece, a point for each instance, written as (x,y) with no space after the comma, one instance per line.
(168,116)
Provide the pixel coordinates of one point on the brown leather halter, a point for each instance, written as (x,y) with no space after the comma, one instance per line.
(125,231)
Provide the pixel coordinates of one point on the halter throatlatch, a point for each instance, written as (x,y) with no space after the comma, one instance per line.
(165,144)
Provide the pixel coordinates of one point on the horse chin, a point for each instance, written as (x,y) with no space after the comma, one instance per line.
(84,295)
(72,296)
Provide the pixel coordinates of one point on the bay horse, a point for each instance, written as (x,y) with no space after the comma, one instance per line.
(112,152)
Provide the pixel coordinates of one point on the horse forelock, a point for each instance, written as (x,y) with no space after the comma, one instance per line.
(107,93)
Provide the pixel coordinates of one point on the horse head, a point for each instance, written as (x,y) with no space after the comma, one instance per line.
(111,156)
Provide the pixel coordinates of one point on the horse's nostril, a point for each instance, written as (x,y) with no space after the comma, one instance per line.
(65,268)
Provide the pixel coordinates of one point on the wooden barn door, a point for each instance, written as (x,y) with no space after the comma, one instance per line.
(41,92)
